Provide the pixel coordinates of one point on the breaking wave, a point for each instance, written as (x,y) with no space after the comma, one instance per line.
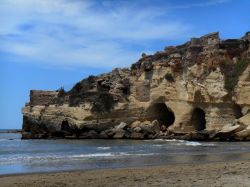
(55,158)
(181,142)
(103,148)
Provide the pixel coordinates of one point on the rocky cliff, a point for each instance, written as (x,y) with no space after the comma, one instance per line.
(199,90)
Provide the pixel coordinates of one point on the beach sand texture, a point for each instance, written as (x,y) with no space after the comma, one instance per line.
(232,174)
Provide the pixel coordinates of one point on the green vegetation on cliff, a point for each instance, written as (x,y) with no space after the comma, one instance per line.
(232,72)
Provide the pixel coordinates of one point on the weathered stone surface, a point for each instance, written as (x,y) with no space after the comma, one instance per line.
(188,91)
(135,124)
(89,135)
(119,134)
(228,131)
(40,97)
(243,135)
(244,120)
(136,135)
(121,126)
(137,129)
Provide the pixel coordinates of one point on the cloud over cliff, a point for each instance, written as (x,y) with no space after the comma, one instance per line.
(88,33)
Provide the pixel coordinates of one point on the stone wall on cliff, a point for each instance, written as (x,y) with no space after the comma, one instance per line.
(195,88)
(42,97)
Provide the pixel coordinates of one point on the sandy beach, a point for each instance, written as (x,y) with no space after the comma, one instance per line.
(209,174)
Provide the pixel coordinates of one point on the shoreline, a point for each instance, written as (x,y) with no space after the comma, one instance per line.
(235,173)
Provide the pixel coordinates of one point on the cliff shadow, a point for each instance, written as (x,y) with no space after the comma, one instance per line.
(198,119)
(237,111)
(162,113)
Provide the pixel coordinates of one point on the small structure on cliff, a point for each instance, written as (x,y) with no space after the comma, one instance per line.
(199,90)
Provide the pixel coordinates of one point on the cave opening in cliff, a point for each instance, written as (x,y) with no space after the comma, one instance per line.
(162,113)
(198,119)
(65,125)
(237,111)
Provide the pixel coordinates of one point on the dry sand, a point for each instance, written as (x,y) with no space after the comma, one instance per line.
(210,174)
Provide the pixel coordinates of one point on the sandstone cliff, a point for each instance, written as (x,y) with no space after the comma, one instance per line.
(198,90)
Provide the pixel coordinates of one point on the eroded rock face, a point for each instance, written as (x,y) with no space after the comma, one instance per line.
(189,91)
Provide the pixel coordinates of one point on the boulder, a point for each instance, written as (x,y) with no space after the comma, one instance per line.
(89,135)
(245,120)
(228,131)
(119,134)
(145,123)
(110,132)
(103,135)
(155,126)
(27,135)
(196,136)
(122,126)
(229,128)
(137,129)
(243,135)
(163,128)
(135,124)
(136,135)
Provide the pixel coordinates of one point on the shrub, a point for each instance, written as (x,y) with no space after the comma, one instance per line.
(104,103)
(169,77)
(232,73)
(143,55)
(61,92)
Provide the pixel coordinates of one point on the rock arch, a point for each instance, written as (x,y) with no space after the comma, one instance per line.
(198,119)
(162,113)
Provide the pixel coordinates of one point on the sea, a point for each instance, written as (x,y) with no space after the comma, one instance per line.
(36,156)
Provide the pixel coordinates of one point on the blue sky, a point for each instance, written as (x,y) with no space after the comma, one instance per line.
(47,44)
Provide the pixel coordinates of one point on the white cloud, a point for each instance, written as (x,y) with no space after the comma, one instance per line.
(84,33)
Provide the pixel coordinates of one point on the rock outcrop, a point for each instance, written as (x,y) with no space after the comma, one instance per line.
(199,90)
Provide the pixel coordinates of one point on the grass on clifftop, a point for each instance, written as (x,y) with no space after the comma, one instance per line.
(232,73)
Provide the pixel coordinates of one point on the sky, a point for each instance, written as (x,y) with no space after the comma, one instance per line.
(47,44)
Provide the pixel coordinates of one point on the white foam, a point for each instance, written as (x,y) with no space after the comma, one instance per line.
(118,154)
(158,145)
(188,143)
(191,143)
(103,148)
(136,154)
(92,155)
(182,142)
(166,140)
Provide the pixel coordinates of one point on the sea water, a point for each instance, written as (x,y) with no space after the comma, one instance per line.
(29,156)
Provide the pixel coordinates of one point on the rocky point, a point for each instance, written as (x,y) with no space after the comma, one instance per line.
(196,91)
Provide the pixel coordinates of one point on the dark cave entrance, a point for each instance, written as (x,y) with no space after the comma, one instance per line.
(237,111)
(65,125)
(160,112)
(198,119)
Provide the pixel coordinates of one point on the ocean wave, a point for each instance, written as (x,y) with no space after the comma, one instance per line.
(55,158)
(182,142)
(189,143)
(92,155)
(137,154)
(192,143)
(115,154)
(158,145)
(166,140)
(103,148)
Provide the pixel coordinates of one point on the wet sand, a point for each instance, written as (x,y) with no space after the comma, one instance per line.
(210,174)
